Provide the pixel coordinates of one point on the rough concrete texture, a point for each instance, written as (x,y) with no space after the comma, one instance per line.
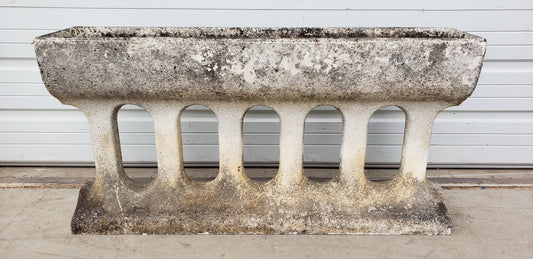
(261,64)
(292,71)
(220,208)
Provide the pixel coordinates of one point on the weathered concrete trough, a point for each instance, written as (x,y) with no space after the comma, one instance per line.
(292,70)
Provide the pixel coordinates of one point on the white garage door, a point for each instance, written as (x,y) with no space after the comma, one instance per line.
(492,128)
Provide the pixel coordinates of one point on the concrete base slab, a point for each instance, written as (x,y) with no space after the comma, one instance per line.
(395,207)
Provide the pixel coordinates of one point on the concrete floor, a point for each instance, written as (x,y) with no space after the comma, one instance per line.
(494,223)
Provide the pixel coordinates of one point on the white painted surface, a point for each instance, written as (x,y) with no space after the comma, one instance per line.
(492,128)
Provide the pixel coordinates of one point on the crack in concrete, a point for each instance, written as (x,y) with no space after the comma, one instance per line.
(21,211)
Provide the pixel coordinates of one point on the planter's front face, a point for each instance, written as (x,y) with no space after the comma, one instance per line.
(357,70)
(410,64)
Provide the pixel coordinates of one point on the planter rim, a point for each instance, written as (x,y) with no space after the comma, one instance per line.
(87,32)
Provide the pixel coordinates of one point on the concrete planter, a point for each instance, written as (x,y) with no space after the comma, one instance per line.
(164,70)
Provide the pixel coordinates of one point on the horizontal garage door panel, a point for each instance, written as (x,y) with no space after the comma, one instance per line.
(58,18)
(494,127)
(280,4)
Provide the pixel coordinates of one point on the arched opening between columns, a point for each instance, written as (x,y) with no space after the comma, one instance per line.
(384,143)
(137,143)
(199,136)
(322,143)
(261,133)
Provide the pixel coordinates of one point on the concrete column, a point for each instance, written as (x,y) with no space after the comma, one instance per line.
(167,129)
(417,137)
(230,142)
(102,119)
(291,143)
(354,139)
